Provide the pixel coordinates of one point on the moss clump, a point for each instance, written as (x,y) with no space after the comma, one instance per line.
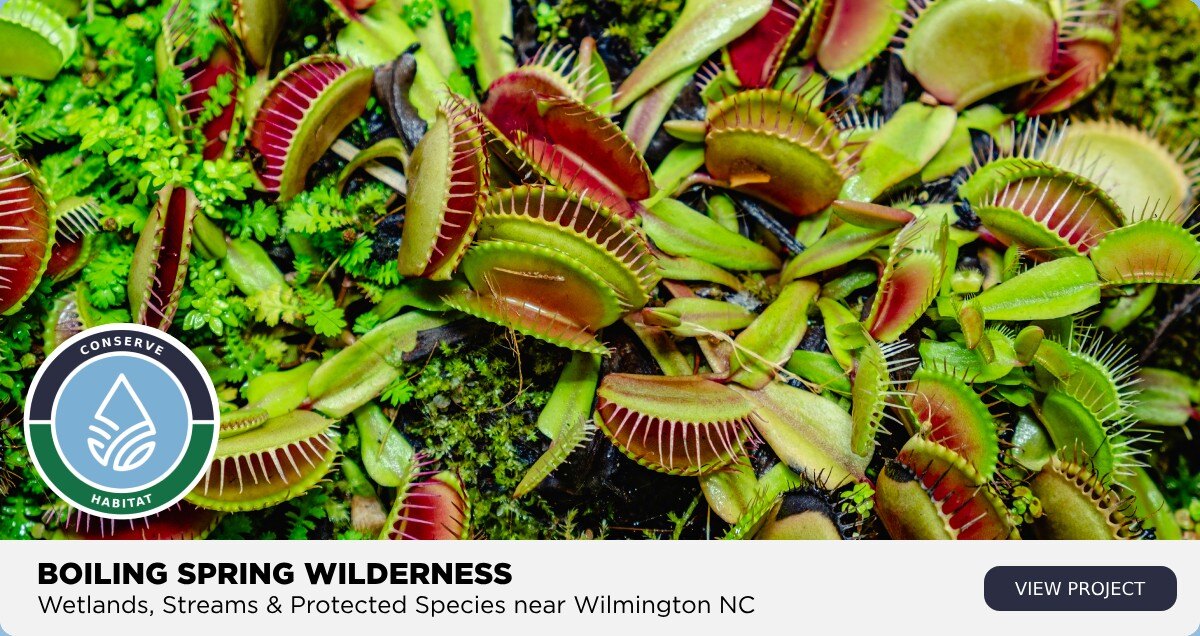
(474,408)
(640,23)
(1158,74)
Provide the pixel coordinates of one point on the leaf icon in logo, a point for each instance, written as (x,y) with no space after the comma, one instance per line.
(126,439)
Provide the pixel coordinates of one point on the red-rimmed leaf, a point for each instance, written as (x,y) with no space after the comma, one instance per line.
(224,62)
(448,178)
(857,31)
(26,232)
(928,492)
(757,55)
(956,418)
(302,113)
(432,510)
(685,425)
(159,268)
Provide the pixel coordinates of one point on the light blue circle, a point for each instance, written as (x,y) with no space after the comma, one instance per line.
(82,397)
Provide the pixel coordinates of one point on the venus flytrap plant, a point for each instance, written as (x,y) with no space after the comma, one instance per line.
(377,33)
(358,373)
(433,506)
(258,24)
(450,176)
(757,56)
(567,418)
(679,230)
(855,33)
(701,29)
(578,148)
(27,232)
(206,107)
(264,466)
(1077,504)
(773,335)
(1165,398)
(304,109)
(160,261)
(949,412)
(979,35)
(899,149)
(1025,198)
(76,222)
(38,40)
(811,434)
(1147,175)
(930,492)
(780,146)
(388,458)
(910,280)
(1089,45)
(686,425)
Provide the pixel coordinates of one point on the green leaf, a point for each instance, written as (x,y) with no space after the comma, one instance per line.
(1050,290)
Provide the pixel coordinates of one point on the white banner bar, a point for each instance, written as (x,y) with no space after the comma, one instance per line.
(567,587)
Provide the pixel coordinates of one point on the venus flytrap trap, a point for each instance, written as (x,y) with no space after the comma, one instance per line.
(301,114)
(27,233)
(39,40)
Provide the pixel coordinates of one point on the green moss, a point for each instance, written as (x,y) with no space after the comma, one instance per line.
(641,23)
(1158,74)
(474,409)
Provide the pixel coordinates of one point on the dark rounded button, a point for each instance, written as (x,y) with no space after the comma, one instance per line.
(1051,588)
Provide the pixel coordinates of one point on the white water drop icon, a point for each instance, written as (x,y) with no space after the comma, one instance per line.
(126,439)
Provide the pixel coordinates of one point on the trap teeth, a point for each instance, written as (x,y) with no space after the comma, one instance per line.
(26,232)
(448,184)
(158,271)
(929,492)
(268,465)
(433,509)
(37,40)
(305,107)
(779,146)
(1146,177)
(1079,505)
(685,425)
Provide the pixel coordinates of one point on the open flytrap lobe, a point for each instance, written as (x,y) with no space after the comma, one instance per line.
(781,146)
(305,108)
(264,466)
(26,232)
(160,260)
(1026,196)
(685,425)
(545,128)
(930,492)
(206,108)
(431,507)
(38,41)
(76,220)
(448,186)
(554,265)
(1053,53)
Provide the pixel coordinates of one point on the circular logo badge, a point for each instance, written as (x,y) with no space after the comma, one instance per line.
(121,421)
